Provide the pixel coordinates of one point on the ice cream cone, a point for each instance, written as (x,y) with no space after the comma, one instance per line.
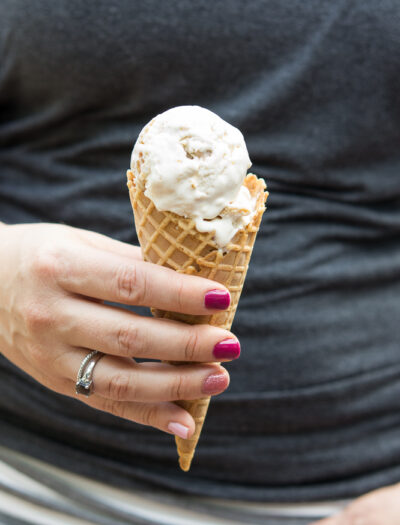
(170,240)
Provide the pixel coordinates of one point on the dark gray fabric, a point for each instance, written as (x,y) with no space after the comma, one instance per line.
(313,407)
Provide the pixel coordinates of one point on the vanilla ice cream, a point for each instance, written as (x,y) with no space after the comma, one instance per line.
(191,162)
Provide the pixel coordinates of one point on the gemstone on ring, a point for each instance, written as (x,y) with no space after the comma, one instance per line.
(84,381)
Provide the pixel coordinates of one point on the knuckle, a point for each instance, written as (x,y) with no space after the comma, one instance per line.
(149,415)
(115,407)
(129,290)
(37,317)
(191,348)
(127,341)
(47,262)
(180,295)
(119,387)
(178,387)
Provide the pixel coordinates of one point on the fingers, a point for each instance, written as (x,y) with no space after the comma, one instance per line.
(119,332)
(49,368)
(167,417)
(102,242)
(124,380)
(152,382)
(111,277)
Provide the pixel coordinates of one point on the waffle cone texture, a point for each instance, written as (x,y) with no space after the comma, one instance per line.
(172,241)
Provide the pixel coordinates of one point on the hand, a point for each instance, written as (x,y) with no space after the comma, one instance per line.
(53,281)
(380,507)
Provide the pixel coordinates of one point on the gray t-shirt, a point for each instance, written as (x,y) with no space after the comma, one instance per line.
(313,410)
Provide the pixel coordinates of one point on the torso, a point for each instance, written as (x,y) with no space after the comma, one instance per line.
(314,89)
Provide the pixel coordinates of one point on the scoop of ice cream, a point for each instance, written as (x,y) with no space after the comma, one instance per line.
(191,162)
(235,216)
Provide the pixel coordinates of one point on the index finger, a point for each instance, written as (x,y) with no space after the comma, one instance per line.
(103,275)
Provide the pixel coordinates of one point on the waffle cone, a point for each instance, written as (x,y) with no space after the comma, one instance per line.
(170,240)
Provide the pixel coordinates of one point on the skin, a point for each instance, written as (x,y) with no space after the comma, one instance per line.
(380,507)
(54,279)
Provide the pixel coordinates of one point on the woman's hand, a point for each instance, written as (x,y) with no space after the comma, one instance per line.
(380,507)
(53,281)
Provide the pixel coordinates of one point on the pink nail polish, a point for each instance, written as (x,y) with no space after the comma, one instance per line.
(215,383)
(217,299)
(178,429)
(227,349)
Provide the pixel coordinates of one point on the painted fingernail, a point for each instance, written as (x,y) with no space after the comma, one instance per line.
(178,429)
(227,349)
(215,383)
(217,299)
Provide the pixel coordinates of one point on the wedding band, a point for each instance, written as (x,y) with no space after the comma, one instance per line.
(84,380)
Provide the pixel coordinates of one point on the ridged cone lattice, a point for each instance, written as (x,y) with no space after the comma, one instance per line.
(170,240)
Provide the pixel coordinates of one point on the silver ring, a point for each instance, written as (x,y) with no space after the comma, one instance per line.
(84,380)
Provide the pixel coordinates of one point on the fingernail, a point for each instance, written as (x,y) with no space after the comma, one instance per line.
(217,299)
(178,429)
(215,383)
(227,349)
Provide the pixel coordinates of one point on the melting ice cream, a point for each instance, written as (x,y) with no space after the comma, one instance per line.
(191,162)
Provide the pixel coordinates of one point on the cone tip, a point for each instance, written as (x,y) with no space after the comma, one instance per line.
(185,463)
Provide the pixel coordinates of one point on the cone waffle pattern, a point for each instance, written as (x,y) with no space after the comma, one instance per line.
(186,447)
(170,240)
